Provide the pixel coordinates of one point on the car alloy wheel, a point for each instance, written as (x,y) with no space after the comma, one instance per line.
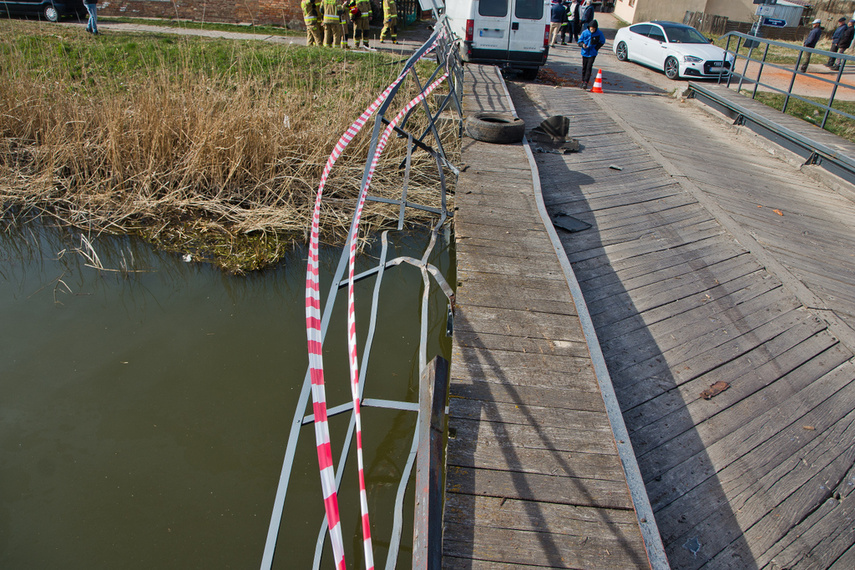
(672,68)
(51,13)
(622,54)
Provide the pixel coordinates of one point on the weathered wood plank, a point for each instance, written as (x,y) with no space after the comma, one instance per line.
(502,545)
(526,414)
(550,438)
(571,520)
(537,487)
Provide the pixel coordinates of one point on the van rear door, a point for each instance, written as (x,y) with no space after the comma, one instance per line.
(529,32)
(510,31)
(492,26)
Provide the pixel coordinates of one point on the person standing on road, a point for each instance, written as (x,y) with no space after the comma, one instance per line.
(843,43)
(332,24)
(557,18)
(92,8)
(587,16)
(390,21)
(314,33)
(810,41)
(835,39)
(572,22)
(591,40)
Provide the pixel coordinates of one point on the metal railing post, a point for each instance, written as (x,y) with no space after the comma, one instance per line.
(427,524)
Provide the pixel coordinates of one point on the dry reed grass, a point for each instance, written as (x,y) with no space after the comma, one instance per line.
(214,147)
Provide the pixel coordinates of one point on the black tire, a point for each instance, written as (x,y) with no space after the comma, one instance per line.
(672,68)
(622,53)
(498,128)
(529,73)
(50,13)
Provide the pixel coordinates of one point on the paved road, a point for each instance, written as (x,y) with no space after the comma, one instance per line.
(626,77)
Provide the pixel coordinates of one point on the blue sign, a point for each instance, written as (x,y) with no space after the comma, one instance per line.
(775,22)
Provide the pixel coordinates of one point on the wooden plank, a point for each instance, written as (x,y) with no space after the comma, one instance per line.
(558,347)
(522,369)
(526,414)
(511,323)
(522,293)
(549,438)
(487,453)
(538,487)
(502,545)
(570,520)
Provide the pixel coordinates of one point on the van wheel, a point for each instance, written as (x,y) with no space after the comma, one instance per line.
(529,73)
(51,13)
(498,128)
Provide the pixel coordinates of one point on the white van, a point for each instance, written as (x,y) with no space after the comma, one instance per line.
(509,33)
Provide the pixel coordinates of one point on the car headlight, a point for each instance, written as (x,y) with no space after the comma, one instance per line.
(692,59)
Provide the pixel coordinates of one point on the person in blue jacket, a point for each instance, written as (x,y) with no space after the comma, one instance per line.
(591,40)
(810,41)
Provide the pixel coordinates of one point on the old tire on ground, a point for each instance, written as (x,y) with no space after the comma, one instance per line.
(498,128)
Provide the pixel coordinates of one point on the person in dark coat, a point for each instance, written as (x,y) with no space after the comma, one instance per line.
(587,16)
(574,24)
(835,39)
(557,18)
(810,41)
(842,42)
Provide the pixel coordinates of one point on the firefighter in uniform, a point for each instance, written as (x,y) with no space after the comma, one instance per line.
(344,16)
(360,13)
(314,33)
(332,24)
(390,21)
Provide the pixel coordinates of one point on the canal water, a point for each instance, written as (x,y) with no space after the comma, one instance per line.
(145,407)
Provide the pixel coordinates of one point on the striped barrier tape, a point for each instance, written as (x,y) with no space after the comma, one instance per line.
(315,350)
(351,313)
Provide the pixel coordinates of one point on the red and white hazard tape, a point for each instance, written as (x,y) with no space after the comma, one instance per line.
(351,312)
(315,349)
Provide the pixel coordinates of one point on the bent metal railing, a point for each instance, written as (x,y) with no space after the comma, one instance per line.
(448,68)
(762,62)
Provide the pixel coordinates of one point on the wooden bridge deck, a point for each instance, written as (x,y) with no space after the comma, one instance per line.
(534,478)
(708,261)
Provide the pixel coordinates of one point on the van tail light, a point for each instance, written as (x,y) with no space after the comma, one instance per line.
(546,36)
(470,30)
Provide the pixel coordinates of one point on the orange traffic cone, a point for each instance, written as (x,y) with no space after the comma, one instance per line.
(598,82)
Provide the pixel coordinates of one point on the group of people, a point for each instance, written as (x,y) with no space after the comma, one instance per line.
(327,22)
(569,18)
(841,39)
(577,19)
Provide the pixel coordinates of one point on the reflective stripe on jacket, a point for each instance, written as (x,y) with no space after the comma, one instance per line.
(331,12)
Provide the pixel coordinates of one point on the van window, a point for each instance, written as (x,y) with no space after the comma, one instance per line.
(498,8)
(529,9)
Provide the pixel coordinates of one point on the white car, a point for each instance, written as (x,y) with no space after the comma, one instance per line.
(677,49)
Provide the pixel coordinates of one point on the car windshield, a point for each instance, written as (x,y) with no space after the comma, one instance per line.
(684,35)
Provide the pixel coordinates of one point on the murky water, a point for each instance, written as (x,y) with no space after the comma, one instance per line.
(144,415)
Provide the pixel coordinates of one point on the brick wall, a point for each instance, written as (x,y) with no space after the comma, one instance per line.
(259,12)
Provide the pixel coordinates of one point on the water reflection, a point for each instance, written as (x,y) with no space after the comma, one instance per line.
(145,411)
